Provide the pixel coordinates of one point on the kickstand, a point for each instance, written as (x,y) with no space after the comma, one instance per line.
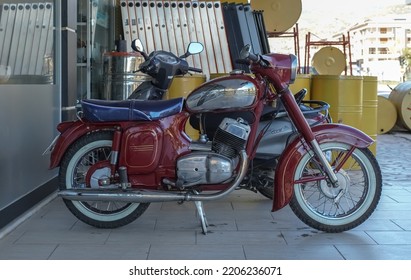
(201,214)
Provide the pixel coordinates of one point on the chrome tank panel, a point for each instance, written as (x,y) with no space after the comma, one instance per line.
(227,94)
(280,133)
(276,138)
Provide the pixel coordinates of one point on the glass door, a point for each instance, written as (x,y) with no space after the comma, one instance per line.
(95,36)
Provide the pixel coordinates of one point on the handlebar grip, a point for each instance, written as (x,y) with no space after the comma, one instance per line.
(242,61)
(253,57)
(198,70)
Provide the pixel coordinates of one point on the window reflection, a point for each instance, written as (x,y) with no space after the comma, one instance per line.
(26,42)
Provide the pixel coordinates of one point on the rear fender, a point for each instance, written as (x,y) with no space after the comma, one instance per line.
(70,132)
(284,174)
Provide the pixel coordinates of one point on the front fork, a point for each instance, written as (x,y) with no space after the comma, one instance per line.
(299,121)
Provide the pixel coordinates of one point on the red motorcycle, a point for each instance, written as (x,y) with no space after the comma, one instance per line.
(120,156)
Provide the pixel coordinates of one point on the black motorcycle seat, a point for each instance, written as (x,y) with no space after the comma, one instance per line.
(130,110)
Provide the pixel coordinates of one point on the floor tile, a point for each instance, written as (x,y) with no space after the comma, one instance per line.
(292,252)
(391,237)
(196,252)
(241,237)
(313,237)
(403,224)
(378,224)
(152,237)
(26,251)
(100,252)
(375,252)
(46,236)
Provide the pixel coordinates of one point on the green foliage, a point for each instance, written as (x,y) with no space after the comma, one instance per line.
(405,58)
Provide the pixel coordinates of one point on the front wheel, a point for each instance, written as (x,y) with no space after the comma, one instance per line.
(337,208)
(85,163)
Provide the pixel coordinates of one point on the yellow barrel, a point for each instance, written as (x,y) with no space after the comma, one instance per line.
(369,109)
(302,81)
(400,96)
(181,86)
(237,1)
(387,115)
(343,93)
(218,75)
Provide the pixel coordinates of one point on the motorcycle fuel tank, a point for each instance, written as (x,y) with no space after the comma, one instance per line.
(223,94)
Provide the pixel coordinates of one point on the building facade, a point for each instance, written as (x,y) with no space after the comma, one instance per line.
(378,43)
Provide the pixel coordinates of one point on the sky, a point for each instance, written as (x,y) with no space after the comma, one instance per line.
(354,7)
(329,13)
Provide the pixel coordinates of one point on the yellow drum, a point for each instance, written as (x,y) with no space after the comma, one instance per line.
(386,116)
(400,96)
(279,15)
(329,61)
(343,93)
(302,81)
(218,75)
(369,109)
(181,86)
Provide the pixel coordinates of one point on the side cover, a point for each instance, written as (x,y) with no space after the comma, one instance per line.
(142,147)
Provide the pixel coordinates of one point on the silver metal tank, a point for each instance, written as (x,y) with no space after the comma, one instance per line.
(119,78)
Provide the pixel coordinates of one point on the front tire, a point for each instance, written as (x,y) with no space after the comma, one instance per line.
(331,209)
(91,154)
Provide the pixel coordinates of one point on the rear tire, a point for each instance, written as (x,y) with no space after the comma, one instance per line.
(86,152)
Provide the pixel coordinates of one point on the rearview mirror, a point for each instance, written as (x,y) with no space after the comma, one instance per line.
(137,45)
(195,48)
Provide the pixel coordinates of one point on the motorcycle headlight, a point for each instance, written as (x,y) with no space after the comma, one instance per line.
(294,67)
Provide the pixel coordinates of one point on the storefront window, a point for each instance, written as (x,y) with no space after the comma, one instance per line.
(27,42)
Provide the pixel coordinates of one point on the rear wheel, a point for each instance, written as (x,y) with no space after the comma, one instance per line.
(336,209)
(85,163)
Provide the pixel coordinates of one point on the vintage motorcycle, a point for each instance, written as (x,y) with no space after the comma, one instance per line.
(120,156)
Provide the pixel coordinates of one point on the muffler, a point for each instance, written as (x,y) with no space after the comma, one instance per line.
(148,196)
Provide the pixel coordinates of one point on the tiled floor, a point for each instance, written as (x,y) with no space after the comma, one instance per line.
(241,227)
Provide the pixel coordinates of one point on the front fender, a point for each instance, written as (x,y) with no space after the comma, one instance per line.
(284,174)
(70,132)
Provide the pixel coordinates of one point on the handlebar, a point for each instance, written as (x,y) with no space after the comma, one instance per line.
(193,69)
(253,57)
(246,56)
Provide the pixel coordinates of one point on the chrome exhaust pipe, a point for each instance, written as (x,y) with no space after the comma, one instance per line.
(148,196)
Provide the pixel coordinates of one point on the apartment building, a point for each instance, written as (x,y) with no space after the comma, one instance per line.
(377,44)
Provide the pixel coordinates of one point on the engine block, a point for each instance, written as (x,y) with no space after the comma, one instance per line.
(203,168)
(231,137)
